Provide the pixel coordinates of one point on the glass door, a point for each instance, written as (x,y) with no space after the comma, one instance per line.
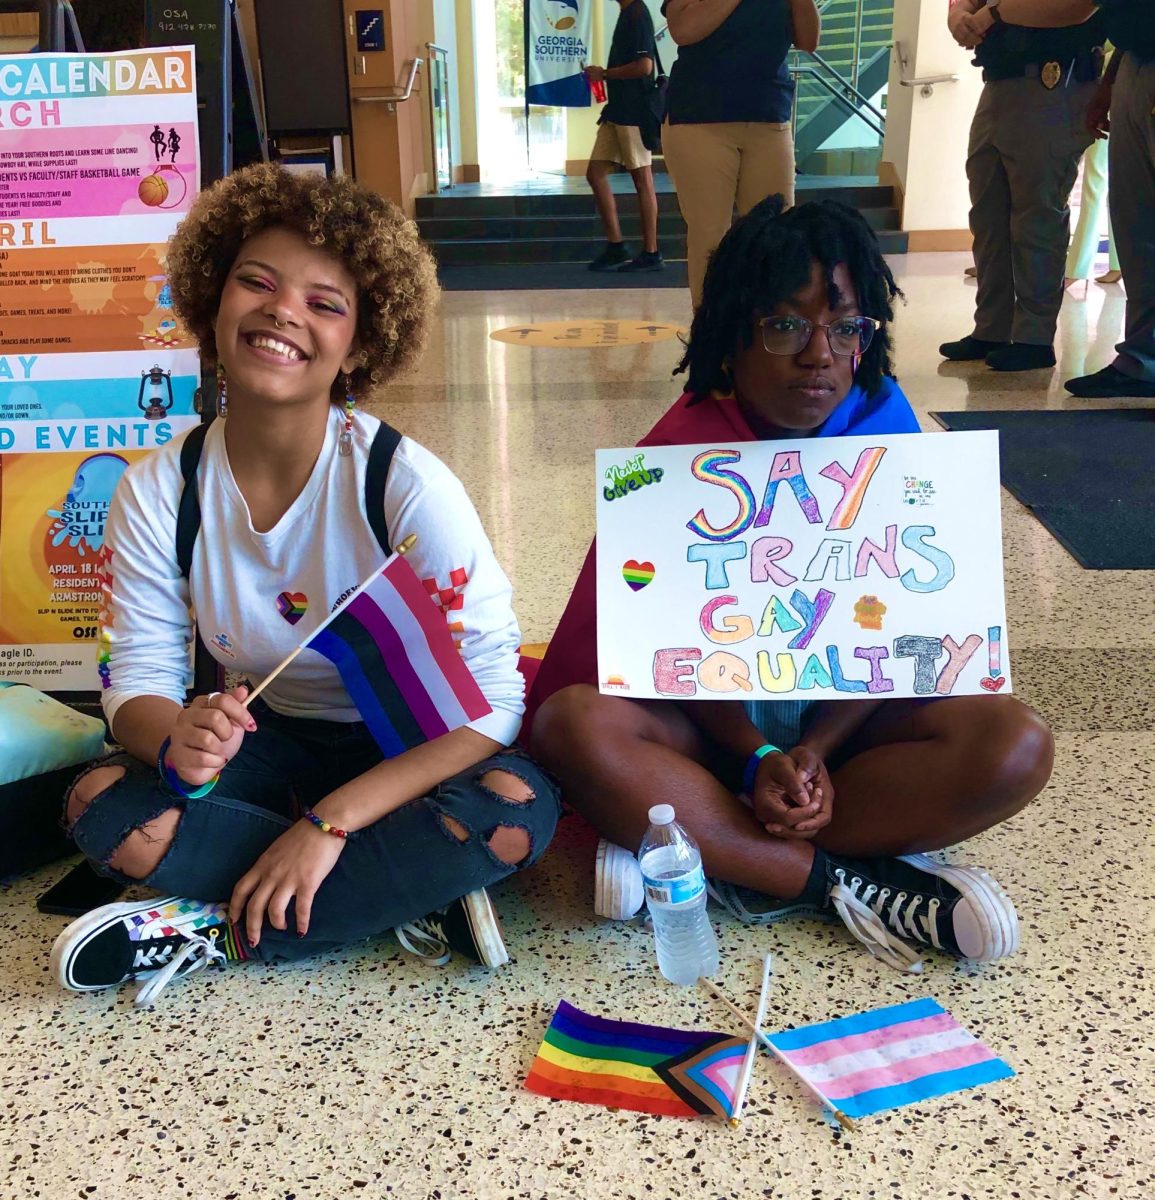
(439,117)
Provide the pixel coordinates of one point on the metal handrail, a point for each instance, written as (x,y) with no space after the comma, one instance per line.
(399,93)
(925,83)
(848,88)
(855,109)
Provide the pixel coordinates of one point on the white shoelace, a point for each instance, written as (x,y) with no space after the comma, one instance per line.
(870,929)
(436,950)
(203,949)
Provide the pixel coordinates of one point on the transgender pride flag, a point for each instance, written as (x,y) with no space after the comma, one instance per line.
(395,655)
(889,1057)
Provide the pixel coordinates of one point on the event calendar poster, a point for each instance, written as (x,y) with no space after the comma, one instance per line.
(99,161)
(818,569)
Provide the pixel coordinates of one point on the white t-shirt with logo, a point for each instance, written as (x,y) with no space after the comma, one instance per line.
(256,596)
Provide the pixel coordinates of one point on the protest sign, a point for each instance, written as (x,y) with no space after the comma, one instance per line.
(815,569)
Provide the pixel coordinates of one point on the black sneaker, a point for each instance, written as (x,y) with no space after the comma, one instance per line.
(646,261)
(1108,383)
(160,939)
(610,258)
(888,902)
(1022,356)
(969,349)
(468,926)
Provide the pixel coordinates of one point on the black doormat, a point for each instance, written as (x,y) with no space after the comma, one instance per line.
(535,277)
(1089,477)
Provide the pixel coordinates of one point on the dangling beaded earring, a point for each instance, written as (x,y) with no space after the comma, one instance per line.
(222,395)
(345,441)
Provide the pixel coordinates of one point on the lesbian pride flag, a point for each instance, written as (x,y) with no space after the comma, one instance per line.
(395,655)
(889,1057)
(645,1068)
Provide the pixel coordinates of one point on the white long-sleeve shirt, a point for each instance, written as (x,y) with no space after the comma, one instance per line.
(256,596)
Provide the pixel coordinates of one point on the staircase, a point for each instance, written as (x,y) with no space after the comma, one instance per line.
(855,34)
(554,221)
(473,225)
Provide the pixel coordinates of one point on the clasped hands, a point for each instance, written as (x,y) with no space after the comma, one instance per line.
(793,796)
(970,28)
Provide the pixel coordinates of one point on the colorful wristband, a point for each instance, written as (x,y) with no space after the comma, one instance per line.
(175,782)
(324,825)
(752,766)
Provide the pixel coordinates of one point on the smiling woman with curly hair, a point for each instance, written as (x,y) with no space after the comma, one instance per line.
(377,244)
(288,827)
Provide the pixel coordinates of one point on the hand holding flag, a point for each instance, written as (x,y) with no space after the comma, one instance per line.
(397,659)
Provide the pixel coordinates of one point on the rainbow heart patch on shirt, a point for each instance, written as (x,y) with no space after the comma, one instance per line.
(637,574)
(292,606)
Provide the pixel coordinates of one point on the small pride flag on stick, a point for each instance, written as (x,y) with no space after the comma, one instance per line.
(888,1057)
(397,660)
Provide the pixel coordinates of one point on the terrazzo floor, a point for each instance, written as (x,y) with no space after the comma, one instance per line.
(372,1075)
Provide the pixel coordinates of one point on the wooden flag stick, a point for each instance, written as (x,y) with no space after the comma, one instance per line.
(752,1049)
(404,548)
(830,1107)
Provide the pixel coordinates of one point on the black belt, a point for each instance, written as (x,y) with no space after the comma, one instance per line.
(1083,68)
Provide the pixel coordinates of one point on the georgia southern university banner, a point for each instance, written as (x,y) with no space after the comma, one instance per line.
(558,47)
(99,160)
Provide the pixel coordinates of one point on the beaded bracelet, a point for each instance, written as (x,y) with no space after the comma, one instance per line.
(324,825)
(752,766)
(175,782)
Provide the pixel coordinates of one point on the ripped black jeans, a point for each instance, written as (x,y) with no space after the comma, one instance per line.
(404,866)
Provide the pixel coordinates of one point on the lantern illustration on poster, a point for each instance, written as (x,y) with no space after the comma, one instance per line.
(156,388)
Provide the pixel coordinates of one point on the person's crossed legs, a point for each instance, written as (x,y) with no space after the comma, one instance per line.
(919,775)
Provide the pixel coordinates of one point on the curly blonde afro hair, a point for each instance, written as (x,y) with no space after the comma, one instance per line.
(374,241)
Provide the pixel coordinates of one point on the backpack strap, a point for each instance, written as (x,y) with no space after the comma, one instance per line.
(188,515)
(385,443)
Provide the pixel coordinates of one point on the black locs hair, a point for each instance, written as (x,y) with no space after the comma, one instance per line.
(766,258)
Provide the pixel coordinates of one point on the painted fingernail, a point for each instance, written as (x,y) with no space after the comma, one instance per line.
(300,933)
(251,727)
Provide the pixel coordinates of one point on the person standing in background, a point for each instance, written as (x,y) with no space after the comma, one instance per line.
(1040,60)
(727,137)
(1127,93)
(628,79)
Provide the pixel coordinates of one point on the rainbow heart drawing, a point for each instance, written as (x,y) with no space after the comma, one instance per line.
(637,574)
(292,606)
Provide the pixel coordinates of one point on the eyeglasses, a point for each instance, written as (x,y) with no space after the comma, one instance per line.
(791,335)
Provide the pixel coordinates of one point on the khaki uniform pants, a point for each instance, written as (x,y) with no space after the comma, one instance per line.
(719,166)
(1024,153)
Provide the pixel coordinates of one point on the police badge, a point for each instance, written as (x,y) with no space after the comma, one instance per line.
(1050,75)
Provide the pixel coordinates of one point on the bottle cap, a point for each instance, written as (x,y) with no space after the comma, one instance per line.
(661,814)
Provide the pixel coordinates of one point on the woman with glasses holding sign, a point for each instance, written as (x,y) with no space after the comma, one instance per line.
(792,341)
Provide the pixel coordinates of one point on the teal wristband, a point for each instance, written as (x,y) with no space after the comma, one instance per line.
(752,765)
(174,781)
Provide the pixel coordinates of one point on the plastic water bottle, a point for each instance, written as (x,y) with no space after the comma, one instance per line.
(676,897)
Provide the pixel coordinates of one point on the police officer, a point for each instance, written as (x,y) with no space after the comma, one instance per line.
(1128,93)
(1040,60)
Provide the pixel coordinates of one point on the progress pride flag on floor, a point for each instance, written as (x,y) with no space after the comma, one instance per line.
(890,1057)
(396,657)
